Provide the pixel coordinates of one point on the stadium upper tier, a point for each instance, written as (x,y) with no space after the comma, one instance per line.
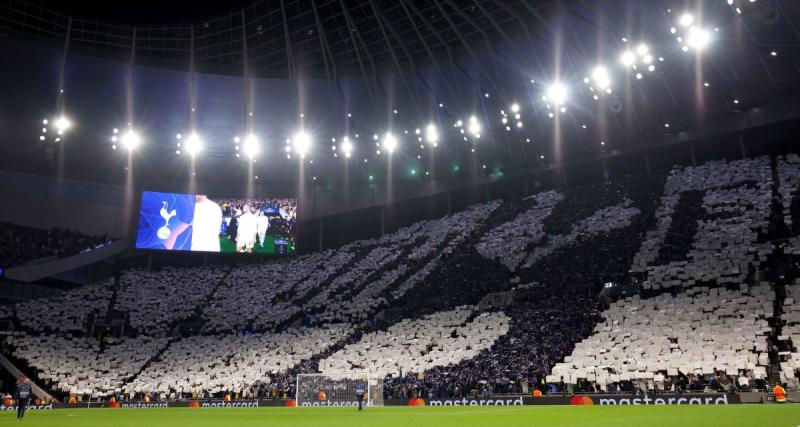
(502,296)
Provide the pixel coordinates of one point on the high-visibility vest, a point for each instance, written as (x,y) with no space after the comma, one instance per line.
(321,395)
(780,393)
(537,393)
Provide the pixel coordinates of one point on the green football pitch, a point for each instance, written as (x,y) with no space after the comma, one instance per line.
(734,415)
(226,245)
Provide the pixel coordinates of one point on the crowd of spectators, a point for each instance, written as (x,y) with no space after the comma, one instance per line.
(283,213)
(439,339)
(726,246)
(519,359)
(19,245)
(652,341)
(389,305)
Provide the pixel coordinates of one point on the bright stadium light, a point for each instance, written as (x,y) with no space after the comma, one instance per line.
(131,140)
(698,38)
(251,146)
(474,127)
(628,58)
(302,143)
(642,49)
(686,20)
(193,145)
(389,143)
(600,78)
(346,147)
(62,124)
(556,93)
(432,134)
(515,108)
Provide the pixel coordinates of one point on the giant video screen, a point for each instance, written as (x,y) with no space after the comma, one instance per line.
(200,223)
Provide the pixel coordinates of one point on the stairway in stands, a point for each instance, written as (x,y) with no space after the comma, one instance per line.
(156,357)
(779,271)
(197,316)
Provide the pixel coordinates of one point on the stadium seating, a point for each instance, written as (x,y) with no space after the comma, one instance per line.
(699,331)
(404,303)
(265,296)
(789,175)
(737,197)
(82,366)
(791,334)
(155,300)
(509,242)
(65,312)
(19,245)
(439,339)
(213,364)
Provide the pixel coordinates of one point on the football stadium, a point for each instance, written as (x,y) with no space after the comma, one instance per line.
(400,212)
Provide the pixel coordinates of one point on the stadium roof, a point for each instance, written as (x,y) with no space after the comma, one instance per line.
(360,62)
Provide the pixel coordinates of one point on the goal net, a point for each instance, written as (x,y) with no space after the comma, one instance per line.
(337,389)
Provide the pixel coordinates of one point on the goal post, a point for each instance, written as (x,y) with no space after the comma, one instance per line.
(337,389)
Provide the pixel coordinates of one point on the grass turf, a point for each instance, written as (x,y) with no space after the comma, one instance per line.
(683,416)
(226,245)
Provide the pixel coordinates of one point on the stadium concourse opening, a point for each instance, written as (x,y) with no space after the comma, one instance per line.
(394,212)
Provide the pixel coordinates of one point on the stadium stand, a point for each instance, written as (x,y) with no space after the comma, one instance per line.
(790,333)
(213,364)
(66,312)
(19,244)
(153,301)
(411,345)
(736,201)
(403,305)
(700,331)
(85,366)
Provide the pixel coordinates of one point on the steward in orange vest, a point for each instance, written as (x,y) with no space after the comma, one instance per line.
(780,393)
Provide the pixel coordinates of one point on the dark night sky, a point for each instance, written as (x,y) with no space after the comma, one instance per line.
(141,12)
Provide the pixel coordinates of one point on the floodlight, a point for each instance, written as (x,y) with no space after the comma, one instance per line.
(556,93)
(686,20)
(389,142)
(600,78)
(346,146)
(193,144)
(131,140)
(431,134)
(302,143)
(474,127)
(698,38)
(627,58)
(515,108)
(62,123)
(251,146)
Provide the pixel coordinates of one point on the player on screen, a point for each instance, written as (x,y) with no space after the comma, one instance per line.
(361,390)
(262,225)
(246,233)
(206,225)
